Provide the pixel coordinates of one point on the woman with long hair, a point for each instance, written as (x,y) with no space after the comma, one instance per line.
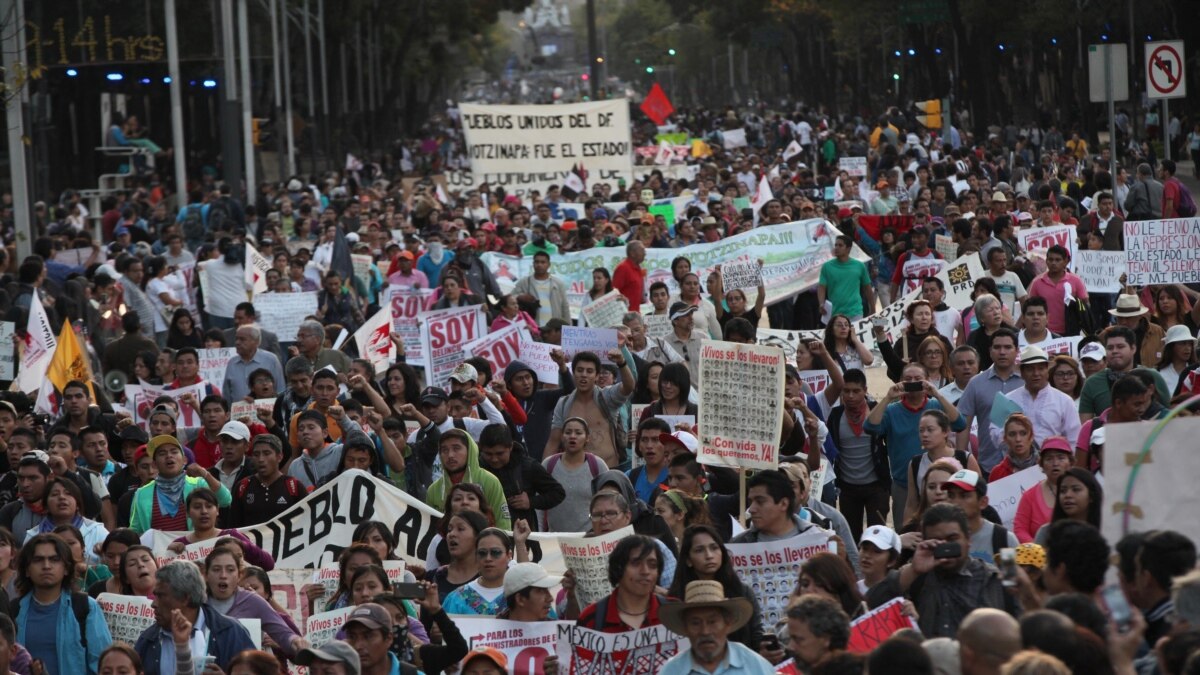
(143,368)
(1021,450)
(137,571)
(454,292)
(9,547)
(680,510)
(934,357)
(1078,497)
(203,510)
(400,386)
(164,292)
(1065,376)
(511,314)
(183,331)
(829,576)
(1179,354)
(907,348)
(933,491)
(1036,504)
(61,505)
(705,320)
(601,284)
(647,390)
(843,344)
(81,575)
(1171,309)
(933,429)
(574,468)
(703,557)
(461,497)
(353,557)
(674,384)
(462,532)
(680,266)
(120,659)
(484,595)
(736,300)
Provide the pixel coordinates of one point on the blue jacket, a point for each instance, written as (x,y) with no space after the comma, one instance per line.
(71,656)
(226,639)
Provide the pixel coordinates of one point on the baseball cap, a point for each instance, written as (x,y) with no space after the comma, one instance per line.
(357,439)
(463,373)
(434,395)
(164,409)
(1093,351)
(490,653)
(964,480)
(235,429)
(159,441)
(334,651)
(406,255)
(1058,444)
(681,309)
(599,214)
(884,538)
(528,575)
(683,438)
(1031,554)
(134,433)
(38,456)
(372,615)
(1024,217)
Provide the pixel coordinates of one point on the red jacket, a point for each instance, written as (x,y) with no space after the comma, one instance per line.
(630,279)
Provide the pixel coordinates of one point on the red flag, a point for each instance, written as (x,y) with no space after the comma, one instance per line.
(874,224)
(657,106)
(872,628)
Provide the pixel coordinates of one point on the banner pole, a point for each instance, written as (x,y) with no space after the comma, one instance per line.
(742,496)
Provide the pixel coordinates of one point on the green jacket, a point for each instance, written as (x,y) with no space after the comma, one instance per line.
(492,490)
(143,502)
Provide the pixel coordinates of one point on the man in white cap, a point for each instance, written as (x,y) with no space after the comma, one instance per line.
(1091,359)
(684,339)
(707,618)
(1052,412)
(1130,313)
(332,658)
(878,552)
(527,592)
(968,490)
(234,464)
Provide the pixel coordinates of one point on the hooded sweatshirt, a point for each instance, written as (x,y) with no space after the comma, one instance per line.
(475,474)
(644,520)
(539,409)
(523,474)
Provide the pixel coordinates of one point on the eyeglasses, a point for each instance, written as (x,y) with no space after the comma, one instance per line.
(607,515)
(485,553)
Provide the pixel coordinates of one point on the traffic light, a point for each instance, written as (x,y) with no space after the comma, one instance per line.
(256,124)
(931,113)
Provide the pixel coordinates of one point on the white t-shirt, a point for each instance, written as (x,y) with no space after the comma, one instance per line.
(226,287)
(153,288)
(1011,288)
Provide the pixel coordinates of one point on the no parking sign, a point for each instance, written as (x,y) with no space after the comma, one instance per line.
(1164,70)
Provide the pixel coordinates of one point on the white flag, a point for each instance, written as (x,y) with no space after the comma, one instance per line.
(663,156)
(40,343)
(256,270)
(374,340)
(792,150)
(442,196)
(761,196)
(838,195)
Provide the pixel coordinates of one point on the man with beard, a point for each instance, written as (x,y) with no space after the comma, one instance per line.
(944,582)
(707,618)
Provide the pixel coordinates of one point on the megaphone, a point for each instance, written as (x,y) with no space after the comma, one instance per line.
(115,381)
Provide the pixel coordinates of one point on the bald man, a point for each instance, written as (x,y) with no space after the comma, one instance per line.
(987,639)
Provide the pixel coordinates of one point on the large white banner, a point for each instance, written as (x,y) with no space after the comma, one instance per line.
(1162,251)
(583,651)
(741,404)
(522,183)
(525,643)
(792,256)
(508,138)
(1151,488)
(772,569)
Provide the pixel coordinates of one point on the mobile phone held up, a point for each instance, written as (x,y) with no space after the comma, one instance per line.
(947,550)
(914,387)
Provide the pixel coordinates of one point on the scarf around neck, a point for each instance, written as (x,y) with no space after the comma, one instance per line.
(1021,464)
(169,492)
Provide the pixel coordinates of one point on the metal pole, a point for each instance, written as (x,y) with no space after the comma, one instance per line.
(732,86)
(247,112)
(312,97)
(287,95)
(176,88)
(593,69)
(324,78)
(231,151)
(358,60)
(15,113)
(1112,125)
(275,47)
(1166,129)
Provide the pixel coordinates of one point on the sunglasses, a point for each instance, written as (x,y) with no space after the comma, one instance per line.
(485,553)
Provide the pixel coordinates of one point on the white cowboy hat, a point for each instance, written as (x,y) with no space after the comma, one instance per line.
(1128,306)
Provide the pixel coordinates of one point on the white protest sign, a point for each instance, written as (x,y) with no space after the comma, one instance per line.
(741,276)
(733,138)
(945,245)
(74,256)
(282,313)
(771,569)
(1152,490)
(500,348)
(853,166)
(741,404)
(1100,270)
(444,332)
(213,363)
(8,364)
(504,138)
(536,355)
(1066,345)
(127,616)
(521,183)
(1005,494)
(1162,251)
(525,643)
(317,529)
(256,270)
(583,650)
(146,394)
(589,559)
(817,380)
(361,264)
(657,325)
(323,627)
(817,477)
(374,341)
(407,304)
(1040,239)
(605,311)
(287,589)
(595,340)
(675,420)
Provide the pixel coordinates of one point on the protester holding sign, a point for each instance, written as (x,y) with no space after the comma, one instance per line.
(634,570)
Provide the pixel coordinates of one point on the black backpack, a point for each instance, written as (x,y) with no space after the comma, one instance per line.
(193,223)
(219,216)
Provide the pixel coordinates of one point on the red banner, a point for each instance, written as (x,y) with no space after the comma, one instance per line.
(872,628)
(874,224)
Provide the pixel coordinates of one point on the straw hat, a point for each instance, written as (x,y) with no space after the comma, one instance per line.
(703,594)
(1128,305)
